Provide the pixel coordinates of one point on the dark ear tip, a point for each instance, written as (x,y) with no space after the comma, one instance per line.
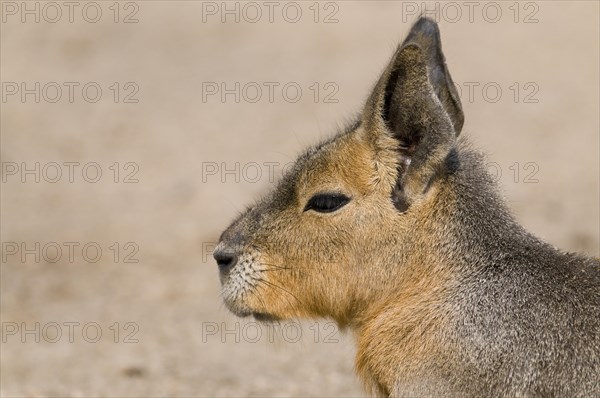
(425,26)
(426,23)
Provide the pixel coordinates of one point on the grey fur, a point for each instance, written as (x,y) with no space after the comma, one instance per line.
(504,314)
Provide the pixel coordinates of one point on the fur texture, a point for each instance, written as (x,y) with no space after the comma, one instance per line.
(447,295)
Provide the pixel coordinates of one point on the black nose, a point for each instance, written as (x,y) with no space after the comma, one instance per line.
(225,260)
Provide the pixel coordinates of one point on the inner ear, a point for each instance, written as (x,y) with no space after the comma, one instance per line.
(417,70)
(407,143)
(414,102)
(426,34)
(407,98)
(388,94)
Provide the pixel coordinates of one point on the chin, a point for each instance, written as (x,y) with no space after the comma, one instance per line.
(244,312)
(243,309)
(263,317)
(237,308)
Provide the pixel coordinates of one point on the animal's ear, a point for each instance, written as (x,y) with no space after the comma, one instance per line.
(416,103)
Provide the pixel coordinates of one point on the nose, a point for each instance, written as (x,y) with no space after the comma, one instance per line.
(225,260)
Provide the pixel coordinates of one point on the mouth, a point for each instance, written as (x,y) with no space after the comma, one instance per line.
(262,317)
(243,311)
(238,303)
(258,316)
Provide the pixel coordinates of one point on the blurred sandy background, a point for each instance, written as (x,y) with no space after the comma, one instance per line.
(180,204)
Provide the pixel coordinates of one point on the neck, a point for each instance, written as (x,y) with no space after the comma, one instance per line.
(461,230)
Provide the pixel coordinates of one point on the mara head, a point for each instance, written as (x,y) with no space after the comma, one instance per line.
(346,222)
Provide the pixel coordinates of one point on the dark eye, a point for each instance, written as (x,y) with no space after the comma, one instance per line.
(326,202)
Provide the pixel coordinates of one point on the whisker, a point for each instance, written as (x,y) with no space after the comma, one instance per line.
(281,288)
(319,267)
(283,269)
(279,267)
(270,284)
(258,296)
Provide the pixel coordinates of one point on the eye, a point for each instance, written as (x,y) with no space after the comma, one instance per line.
(326,202)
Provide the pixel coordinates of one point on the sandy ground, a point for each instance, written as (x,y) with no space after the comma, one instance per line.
(164,331)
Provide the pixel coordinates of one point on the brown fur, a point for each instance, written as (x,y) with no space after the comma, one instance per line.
(446,294)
